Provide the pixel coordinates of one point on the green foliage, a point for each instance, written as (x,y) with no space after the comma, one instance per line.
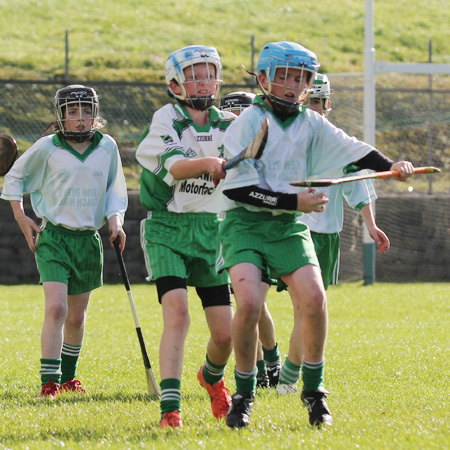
(131,39)
(387,369)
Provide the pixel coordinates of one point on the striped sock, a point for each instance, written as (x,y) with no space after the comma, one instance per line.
(245,381)
(212,373)
(69,361)
(313,375)
(290,372)
(50,371)
(170,395)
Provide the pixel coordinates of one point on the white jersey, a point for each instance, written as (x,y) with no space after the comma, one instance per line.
(76,191)
(303,147)
(357,194)
(174,136)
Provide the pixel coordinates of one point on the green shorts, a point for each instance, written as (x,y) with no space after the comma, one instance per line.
(182,245)
(279,243)
(327,250)
(73,257)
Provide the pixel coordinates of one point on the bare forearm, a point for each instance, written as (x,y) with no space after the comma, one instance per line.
(17,207)
(27,225)
(193,168)
(368,216)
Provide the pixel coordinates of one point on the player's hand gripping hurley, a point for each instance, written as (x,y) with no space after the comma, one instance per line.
(151,381)
(254,150)
(8,153)
(386,174)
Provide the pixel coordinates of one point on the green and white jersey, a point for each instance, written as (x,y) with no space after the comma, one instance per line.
(173,136)
(76,191)
(304,146)
(357,195)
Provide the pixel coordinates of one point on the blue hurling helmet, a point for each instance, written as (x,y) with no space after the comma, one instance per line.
(286,55)
(188,57)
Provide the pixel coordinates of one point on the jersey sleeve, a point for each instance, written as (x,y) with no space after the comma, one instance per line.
(161,147)
(331,149)
(116,192)
(359,193)
(27,173)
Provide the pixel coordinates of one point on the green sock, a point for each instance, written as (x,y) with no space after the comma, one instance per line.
(212,373)
(313,375)
(262,369)
(290,372)
(170,395)
(272,357)
(69,361)
(50,371)
(245,381)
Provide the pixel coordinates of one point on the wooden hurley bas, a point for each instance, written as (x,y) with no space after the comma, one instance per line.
(376,175)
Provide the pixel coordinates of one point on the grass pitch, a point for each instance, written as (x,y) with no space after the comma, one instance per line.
(387,368)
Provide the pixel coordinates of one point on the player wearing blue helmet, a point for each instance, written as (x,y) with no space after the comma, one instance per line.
(260,228)
(279,61)
(268,356)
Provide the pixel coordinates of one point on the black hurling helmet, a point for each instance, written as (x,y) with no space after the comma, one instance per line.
(76,94)
(236,102)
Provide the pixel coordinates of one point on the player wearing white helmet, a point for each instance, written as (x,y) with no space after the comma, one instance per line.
(180,155)
(197,89)
(301,144)
(320,97)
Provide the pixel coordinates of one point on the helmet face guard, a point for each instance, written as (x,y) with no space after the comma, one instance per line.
(186,57)
(321,89)
(284,56)
(236,102)
(80,96)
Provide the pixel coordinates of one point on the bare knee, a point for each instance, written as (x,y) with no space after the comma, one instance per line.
(76,320)
(222,339)
(57,311)
(315,303)
(178,319)
(249,310)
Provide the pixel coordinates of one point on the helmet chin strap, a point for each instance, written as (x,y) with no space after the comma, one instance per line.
(285,107)
(199,103)
(79,137)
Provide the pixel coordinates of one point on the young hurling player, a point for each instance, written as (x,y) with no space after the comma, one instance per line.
(325,228)
(76,183)
(268,361)
(180,154)
(261,229)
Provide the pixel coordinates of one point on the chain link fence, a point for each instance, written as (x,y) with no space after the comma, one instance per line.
(413,121)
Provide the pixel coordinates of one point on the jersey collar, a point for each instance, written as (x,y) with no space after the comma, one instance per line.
(214,116)
(60,141)
(259,101)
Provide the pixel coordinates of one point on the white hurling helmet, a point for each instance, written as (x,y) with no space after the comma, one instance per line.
(188,57)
